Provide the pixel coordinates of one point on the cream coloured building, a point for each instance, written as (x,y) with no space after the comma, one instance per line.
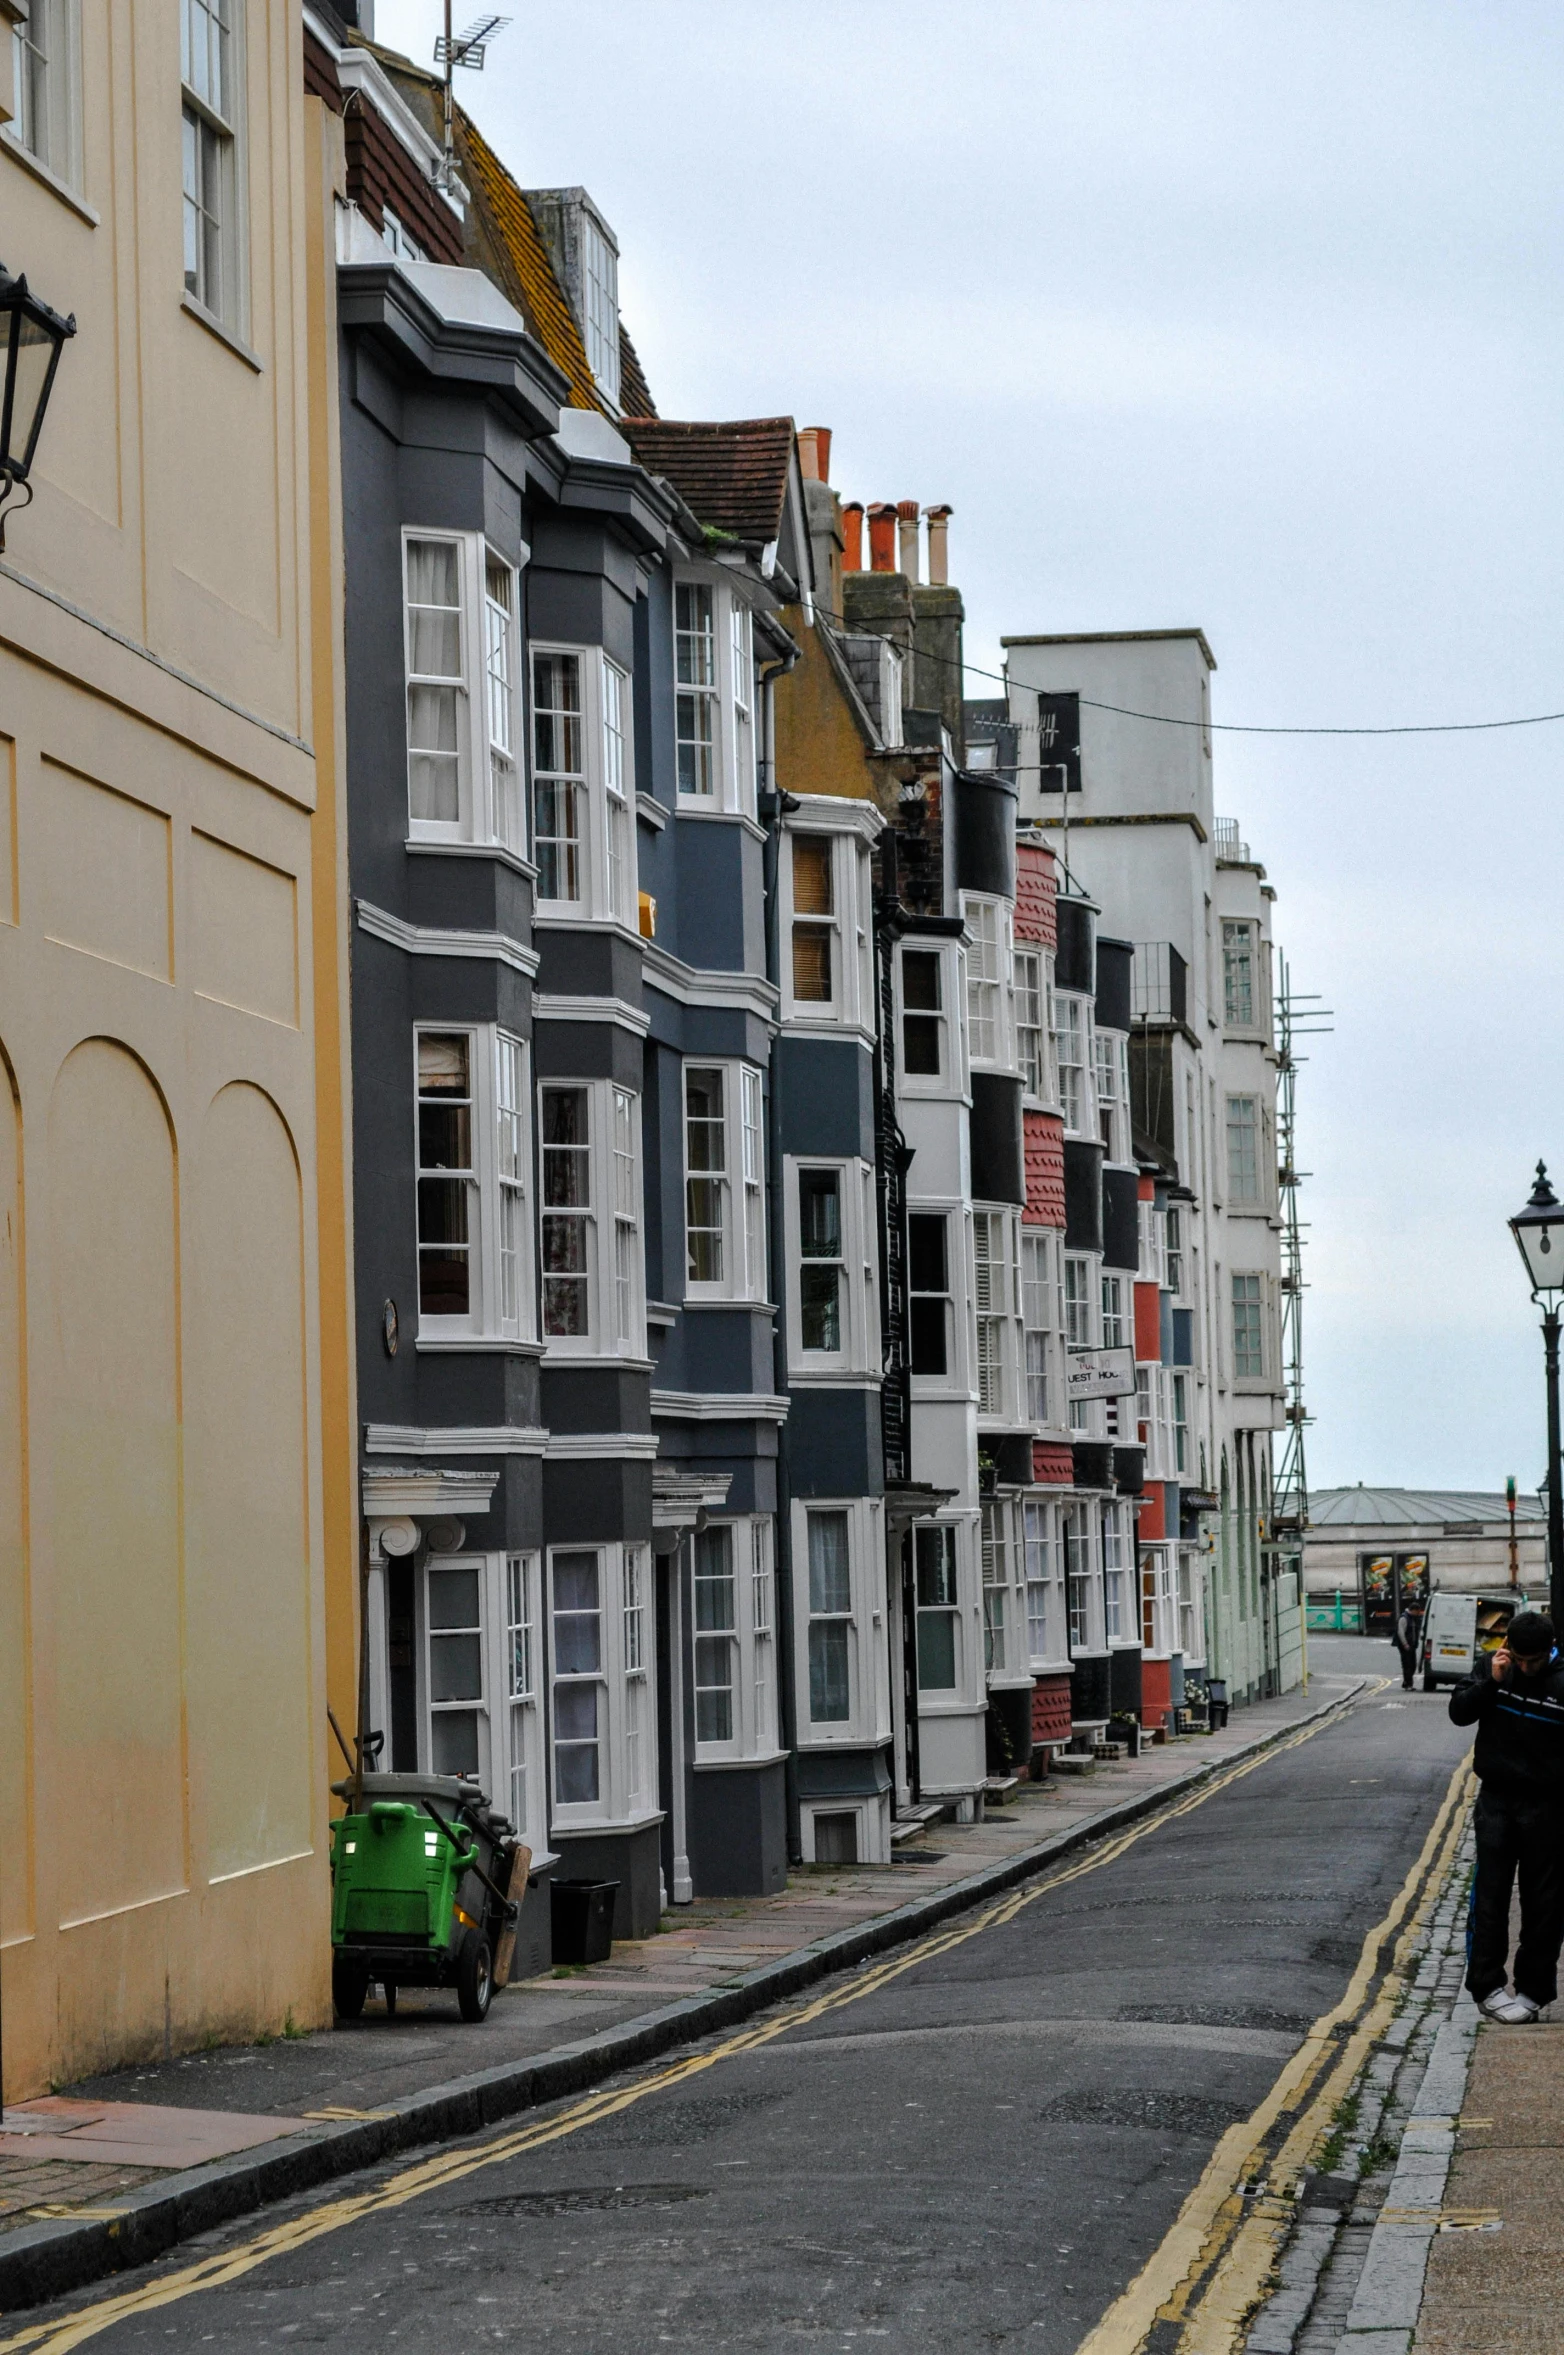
(177,1558)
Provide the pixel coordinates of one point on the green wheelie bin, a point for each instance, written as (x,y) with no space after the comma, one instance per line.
(422,1870)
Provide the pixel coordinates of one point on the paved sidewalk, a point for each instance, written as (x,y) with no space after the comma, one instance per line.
(358,2094)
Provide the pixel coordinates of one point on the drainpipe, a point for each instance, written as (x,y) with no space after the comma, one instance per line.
(773,804)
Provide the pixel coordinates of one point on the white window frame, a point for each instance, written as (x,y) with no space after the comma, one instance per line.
(1118,1308)
(1048,1643)
(511,1765)
(1083,1577)
(600,305)
(728,697)
(491,796)
(1040,1328)
(996,1311)
(607,878)
(1253,1297)
(1006,1649)
(868,1717)
(46,88)
(738,1183)
(949,1078)
(502,1288)
(1245,1173)
(938,1596)
(1112,1079)
(852,828)
(990,960)
(1191,1605)
(615,1270)
(213,161)
(1120,1618)
(1158,1616)
(949,1218)
(1240,948)
(1034,1025)
(625,1686)
(750,1640)
(525,1795)
(858,1301)
(1074,1061)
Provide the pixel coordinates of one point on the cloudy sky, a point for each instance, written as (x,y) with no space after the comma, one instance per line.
(1222,314)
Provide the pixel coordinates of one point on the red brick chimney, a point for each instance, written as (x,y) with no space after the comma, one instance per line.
(814,452)
(907,535)
(852,536)
(939,556)
(882,537)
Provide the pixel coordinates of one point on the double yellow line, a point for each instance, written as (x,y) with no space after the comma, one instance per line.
(1212,2268)
(450,2166)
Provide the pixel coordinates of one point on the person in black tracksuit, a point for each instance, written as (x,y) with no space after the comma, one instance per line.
(1516,1701)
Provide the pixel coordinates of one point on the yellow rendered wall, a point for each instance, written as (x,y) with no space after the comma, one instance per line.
(819,745)
(174,1291)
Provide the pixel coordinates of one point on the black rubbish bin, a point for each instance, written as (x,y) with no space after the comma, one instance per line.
(1216,1701)
(583,1920)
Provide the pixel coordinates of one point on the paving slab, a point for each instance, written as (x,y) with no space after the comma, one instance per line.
(1500,2291)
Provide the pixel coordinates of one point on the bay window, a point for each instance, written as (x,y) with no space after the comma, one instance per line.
(1191,1633)
(1113,1094)
(1243,1151)
(1248,1330)
(831,1235)
(1238,964)
(735,1671)
(477,1668)
(1047,1640)
(924,1052)
(1040,1325)
(600,288)
(724,1186)
(460,643)
(472,1158)
(1083,1577)
(593,1273)
(988,957)
(1032,1041)
(525,1806)
(603,1716)
(1158,1627)
(714,698)
(995,1306)
(929,1302)
(1115,1327)
(827,958)
(938,1607)
(1072,1053)
(996,1586)
(1118,1611)
(830,1618)
(582,771)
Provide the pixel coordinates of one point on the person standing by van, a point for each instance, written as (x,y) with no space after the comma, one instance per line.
(1515,1699)
(1407,1636)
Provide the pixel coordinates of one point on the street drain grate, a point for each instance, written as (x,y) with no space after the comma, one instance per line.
(1214,2015)
(677,2124)
(919,1855)
(574,2203)
(1161,2113)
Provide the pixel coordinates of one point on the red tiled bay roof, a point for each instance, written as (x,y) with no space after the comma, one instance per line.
(732,477)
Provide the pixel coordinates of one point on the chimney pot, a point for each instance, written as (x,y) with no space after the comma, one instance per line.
(882,537)
(939,552)
(907,535)
(852,536)
(814,452)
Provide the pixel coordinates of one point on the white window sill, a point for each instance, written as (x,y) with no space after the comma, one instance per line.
(557,915)
(214,326)
(563,1826)
(727,1765)
(728,1300)
(557,1353)
(691,805)
(29,162)
(462,1343)
(833,1378)
(652,811)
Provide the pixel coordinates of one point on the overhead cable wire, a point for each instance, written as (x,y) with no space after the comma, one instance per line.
(1167,719)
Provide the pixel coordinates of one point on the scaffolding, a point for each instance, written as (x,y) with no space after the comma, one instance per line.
(1298,1016)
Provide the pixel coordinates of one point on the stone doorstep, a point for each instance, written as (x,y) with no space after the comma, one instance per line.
(43,2257)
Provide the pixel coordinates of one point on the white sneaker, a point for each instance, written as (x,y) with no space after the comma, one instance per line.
(1494,2006)
(1517,2011)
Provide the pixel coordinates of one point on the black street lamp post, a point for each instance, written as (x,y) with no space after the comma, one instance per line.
(31,338)
(1539,1233)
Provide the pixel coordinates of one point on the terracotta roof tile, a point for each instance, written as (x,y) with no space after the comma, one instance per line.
(732,476)
(635,397)
(521,259)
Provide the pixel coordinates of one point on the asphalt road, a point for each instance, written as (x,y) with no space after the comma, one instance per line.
(979,2152)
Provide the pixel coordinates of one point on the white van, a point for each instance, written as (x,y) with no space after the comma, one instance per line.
(1457,1629)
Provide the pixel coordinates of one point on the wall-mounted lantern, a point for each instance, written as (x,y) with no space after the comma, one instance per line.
(31,339)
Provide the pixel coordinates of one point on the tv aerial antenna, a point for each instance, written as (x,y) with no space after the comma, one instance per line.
(467,49)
